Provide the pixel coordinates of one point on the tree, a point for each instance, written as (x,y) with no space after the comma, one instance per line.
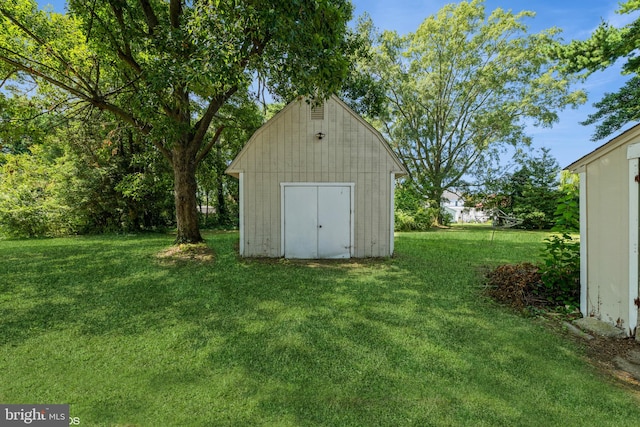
(533,190)
(464,85)
(616,110)
(529,194)
(606,45)
(21,125)
(211,176)
(567,215)
(166,68)
(78,176)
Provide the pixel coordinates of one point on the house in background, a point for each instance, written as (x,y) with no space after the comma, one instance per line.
(316,182)
(453,204)
(609,215)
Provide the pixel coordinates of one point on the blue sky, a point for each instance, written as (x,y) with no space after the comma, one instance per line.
(567,139)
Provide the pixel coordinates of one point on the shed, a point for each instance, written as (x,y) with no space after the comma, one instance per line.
(316,182)
(609,213)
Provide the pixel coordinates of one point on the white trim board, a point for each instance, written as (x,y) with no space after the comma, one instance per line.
(634,212)
(393,215)
(241,212)
(584,256)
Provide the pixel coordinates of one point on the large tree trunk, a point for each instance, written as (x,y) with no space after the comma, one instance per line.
(185,188)
(435,197)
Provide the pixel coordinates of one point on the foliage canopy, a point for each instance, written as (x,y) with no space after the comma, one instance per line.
(167,69)
(464,85)
(606,45)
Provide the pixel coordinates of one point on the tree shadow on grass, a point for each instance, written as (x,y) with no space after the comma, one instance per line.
(402,341)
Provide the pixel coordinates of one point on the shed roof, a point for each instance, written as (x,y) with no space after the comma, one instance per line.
(400,169)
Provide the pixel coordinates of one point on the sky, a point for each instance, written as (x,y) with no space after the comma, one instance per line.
(568,140)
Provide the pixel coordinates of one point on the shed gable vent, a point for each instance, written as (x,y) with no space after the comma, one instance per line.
(317,112)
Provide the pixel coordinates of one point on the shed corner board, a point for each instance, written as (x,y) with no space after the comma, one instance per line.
(633,151)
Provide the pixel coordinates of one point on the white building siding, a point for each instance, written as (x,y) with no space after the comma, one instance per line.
(286,149)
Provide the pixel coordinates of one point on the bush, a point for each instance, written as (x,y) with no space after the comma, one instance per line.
(30,202)
(560,270)
(411,212)
(420,220)
(533,219)
(567,215)
(554,282)
(445,217)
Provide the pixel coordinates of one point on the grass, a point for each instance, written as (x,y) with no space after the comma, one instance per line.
(127,338)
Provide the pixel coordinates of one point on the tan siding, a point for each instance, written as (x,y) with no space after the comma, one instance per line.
(261,233)
(282,147)
(608,238)
(275,147)
(334,160)
(375,213)
(250,214)
(269,151)
(368,198)
(294,139)
(382,210)
(287,150)
(274,213)
(343,129)
(352,140)
(369,153)
(264,237)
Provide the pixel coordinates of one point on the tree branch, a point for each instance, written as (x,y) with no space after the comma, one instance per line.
(175,11)
(152,19)
(216,138)
(203,124)
(7,77)
(124,54)
(33,72)
(98,102)
(48,48)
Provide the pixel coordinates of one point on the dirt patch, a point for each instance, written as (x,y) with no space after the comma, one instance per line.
(606,353)
(187,252)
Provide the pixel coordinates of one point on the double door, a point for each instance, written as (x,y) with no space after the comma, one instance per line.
(317,220)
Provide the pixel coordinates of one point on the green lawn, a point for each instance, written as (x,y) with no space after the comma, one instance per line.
(125,339)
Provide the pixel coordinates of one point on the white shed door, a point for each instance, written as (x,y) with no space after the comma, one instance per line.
(317,221)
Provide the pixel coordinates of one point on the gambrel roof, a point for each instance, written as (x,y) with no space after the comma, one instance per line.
(287,120)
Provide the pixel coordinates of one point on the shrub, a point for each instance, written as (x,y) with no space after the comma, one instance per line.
(560,270)
(445,217)
(567,215)
(411,213)
(533,219)
(554,282)
(419,220)
(30,203)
